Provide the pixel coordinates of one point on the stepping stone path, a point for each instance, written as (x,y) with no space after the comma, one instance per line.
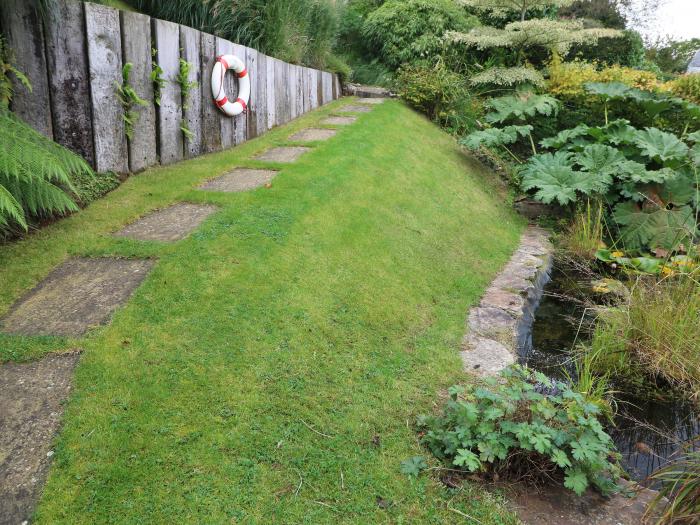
(339,121)
(372,100)
(313,134)
(170,224)
(355,108)
(284,154)
(33,395)
(240,179)
(77,295)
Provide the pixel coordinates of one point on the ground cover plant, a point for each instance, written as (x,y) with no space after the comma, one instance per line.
(524,425)
(265,370)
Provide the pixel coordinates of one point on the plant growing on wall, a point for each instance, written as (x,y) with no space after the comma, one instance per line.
(7,71)
(157,77)
(186,85)
(129,100)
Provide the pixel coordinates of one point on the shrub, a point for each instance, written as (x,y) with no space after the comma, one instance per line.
(524,425)
(687,87)
(626,51)
(411,31)
(568,79)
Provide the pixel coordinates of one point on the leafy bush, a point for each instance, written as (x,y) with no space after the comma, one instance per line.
(411,31)
(524,425)
(36,175)
(569,78)
(687,87)
(625,51)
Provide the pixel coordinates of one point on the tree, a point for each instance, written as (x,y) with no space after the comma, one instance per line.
(524,37)
(607,12)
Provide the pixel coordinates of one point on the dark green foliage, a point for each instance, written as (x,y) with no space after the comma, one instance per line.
(524,424)
(627,50)
(604,11)
(298,31)
(88,187)
(129,99)
(411,31)
(439,93)
(36,175)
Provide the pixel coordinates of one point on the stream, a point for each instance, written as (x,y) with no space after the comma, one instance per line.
(648,432)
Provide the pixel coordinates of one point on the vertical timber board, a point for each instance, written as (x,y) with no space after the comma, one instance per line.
(312,88)
(287,92)
(292,87)
(69,78)
(339,84)
(251,64)
(305,89)
(260,102)
(22,27)
(327,78)
(240,122)
(270,93)
(334,93)
(300,90)
(319,87)
(211,115)
(166,36)
(224,47)
(280,83)
(192,100)
(136,49)
(105,60)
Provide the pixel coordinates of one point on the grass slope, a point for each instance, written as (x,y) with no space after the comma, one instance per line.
(271,367)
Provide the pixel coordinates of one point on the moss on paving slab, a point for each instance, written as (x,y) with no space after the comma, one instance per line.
(334,301)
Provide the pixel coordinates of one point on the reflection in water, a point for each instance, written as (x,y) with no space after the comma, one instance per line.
(647,432)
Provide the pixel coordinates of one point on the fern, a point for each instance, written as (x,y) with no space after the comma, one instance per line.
(129,99)
(35,174)
(7,68)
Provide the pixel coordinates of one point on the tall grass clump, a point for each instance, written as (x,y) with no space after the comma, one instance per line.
(681,486)
(585,234)
(298,31)
(655,333)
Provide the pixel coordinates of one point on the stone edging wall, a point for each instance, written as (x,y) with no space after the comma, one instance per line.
(499,328)
(74,57)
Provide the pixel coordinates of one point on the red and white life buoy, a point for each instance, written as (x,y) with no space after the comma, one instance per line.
(224,63)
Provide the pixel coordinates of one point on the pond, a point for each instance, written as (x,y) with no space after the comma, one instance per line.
(648,431)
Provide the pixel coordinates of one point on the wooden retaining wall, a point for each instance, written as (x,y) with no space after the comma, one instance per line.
(74,58)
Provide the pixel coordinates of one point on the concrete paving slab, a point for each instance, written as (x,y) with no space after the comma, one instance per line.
(284,154)
(240,179)
(355,108)
(169,224)
(78,294)
(313,134)
(33,396)
(371,100)
(339,121)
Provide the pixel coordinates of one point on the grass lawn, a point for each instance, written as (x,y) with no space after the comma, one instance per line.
(270,368)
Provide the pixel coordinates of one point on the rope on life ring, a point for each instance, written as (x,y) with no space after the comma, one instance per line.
(223,64)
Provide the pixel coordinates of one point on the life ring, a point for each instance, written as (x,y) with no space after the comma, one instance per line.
(223,64)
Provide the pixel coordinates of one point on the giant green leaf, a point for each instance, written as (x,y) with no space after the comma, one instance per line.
(602,161)
(660,145)
(521,105)
(555,180)
(607,89)
(495,137)
(659,228)
(564,136)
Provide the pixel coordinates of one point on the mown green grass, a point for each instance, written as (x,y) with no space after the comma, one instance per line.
(334,301)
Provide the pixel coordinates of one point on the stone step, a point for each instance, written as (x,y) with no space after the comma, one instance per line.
(283,154)
(359,90)
(338,121)
(313,134)
(169,224)
(240,179)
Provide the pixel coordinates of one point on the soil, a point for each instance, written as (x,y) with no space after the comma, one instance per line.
(78,294)
(240,179)
(33,395)
(170,224)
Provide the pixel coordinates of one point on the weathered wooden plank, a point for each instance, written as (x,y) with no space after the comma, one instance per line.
(224,47)
(292,83)
(69,78)
(280,93)
(105,61)
(136,49)
(192,100)
(211,116)
(303,74)
(339,87)
(326,80)
(260,102)
(335,86)
(312,88)
(166,37)
(299,94)
(271,94)
(23,30)
(319,87)
(251,61)
(240,122)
